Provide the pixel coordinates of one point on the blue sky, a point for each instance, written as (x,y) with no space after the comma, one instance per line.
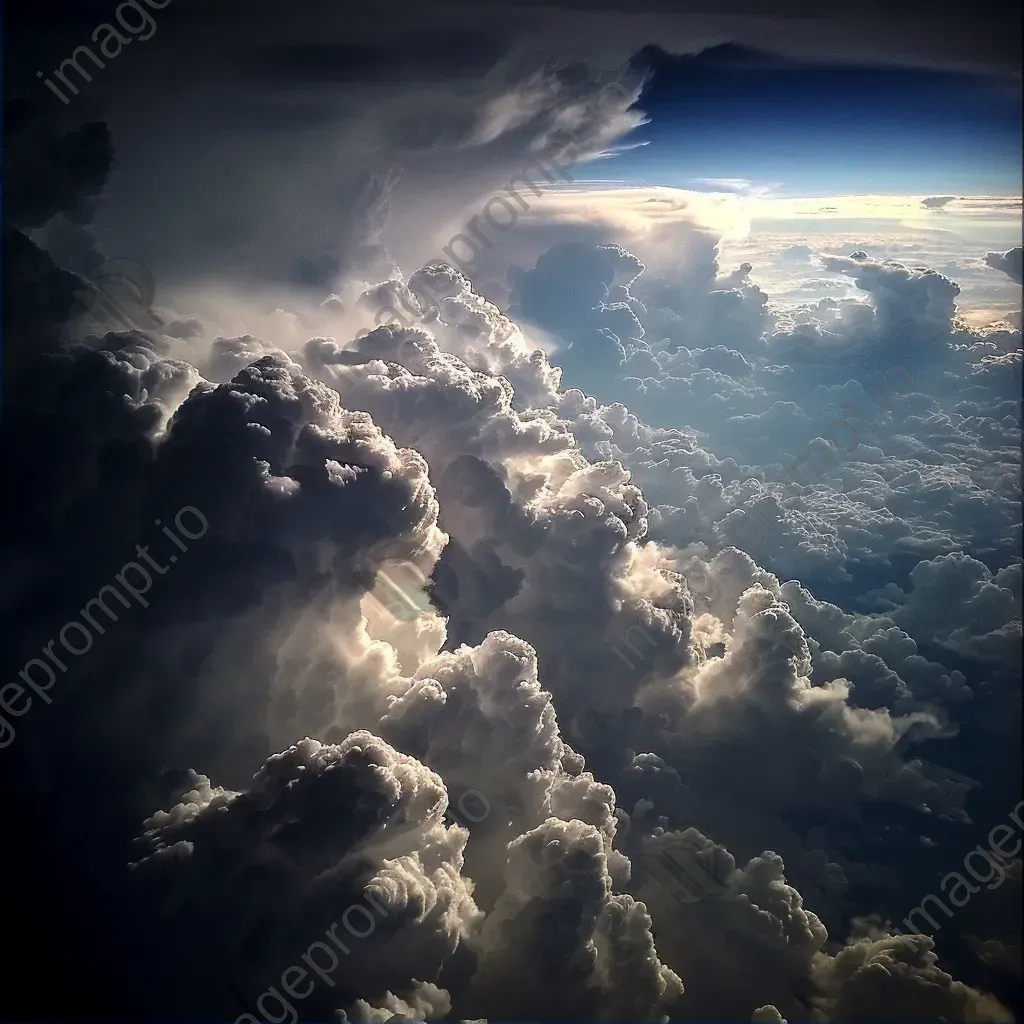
(823,130)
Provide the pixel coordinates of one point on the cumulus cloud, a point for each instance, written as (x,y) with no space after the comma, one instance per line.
(1008,262)
(624,625)
(323,829)
(882,976)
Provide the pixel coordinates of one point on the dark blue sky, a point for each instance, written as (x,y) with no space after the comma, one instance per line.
(823,130)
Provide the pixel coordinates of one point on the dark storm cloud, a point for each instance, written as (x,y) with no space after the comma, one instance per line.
(332,89)
(50,171)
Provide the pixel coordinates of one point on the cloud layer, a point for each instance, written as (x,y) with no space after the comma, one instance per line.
(646,560)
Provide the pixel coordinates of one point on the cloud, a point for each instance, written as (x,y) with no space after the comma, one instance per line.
(891,974)
(624,623)
(904,298)
(1008,262)
(327,828)
(56,172)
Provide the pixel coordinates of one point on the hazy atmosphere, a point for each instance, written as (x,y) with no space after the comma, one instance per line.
(513,511)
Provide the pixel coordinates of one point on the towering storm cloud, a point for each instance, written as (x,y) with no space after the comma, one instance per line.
(548,625)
